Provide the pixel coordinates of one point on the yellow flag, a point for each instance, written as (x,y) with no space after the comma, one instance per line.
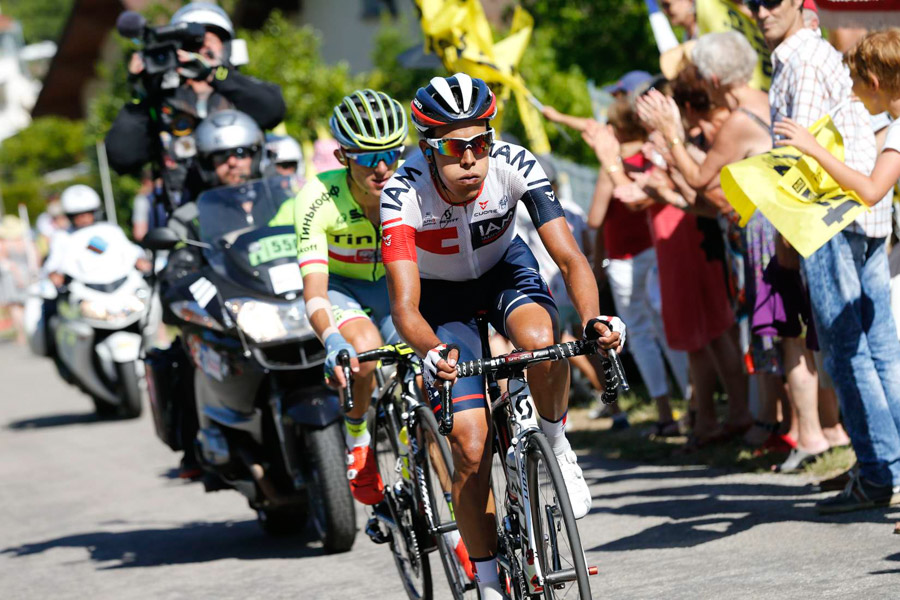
(801,200)
(724,15)
(459,33)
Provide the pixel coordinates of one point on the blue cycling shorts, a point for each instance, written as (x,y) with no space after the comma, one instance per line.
(353,299)
(450,307)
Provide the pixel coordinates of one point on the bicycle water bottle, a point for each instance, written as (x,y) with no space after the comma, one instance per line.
(403,435)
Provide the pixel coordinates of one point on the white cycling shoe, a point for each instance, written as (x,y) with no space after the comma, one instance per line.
(579,494)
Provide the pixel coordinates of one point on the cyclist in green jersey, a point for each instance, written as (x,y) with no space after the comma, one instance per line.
(338,227)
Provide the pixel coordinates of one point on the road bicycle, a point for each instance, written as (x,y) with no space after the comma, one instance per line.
(416,517)
(539,550)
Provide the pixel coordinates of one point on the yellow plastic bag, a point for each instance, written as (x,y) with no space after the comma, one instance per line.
(803,202)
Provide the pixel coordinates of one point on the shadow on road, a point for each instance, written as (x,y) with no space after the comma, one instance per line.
(198,542)
(55,421)
(893,558)
(699,513)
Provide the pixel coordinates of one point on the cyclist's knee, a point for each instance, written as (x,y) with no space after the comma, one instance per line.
(470,451)
(533,335)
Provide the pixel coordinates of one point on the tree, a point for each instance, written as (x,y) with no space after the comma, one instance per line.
(604,38)
(48,144)
(41,19)
(288,55)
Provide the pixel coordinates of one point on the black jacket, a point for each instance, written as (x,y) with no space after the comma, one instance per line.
(130,141)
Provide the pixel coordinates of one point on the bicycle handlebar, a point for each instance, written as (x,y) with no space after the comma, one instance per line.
(343,360)
(503,367)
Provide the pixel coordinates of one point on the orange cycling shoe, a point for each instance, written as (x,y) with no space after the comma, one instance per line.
(365,482)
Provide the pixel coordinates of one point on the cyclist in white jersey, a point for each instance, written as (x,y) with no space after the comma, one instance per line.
(449,251)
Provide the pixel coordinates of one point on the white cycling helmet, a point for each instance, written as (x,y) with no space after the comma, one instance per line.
(208,15)
(284,148)
(79,199)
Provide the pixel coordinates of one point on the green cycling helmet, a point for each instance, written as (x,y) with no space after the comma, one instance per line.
(367,120)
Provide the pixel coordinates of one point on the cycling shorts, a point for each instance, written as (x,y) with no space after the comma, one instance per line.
(450,307)
(353,299)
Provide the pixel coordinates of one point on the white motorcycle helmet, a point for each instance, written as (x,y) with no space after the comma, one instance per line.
(213,18)
(207,14)
(78,199)
(284,149)
(227,130)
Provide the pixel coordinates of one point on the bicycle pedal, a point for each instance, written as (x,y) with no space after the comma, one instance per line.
(373,530)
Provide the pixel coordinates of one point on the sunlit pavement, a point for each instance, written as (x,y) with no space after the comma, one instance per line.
(91,509)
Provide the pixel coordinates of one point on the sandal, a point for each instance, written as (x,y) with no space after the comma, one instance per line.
(664,429)
(797,459)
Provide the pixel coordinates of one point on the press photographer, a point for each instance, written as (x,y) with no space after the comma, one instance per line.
(185,71)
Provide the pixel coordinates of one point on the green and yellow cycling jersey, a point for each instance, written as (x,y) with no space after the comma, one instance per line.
(333,234)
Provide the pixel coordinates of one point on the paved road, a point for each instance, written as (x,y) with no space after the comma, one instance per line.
(89,509)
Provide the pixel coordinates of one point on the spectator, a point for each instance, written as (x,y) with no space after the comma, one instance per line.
(682,13)
(725,64)
(696,309)
(140,209)
(15,274)
(624,244)
(851,296)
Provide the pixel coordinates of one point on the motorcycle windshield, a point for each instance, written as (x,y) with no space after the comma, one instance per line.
(228,212)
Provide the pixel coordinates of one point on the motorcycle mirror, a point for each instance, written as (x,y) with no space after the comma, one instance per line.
(160,238)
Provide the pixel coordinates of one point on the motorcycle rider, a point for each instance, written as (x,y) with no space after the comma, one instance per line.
(81,204)
(230,150)
(286,152)
(209,83)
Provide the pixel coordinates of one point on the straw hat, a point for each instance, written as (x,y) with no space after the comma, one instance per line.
(671,62)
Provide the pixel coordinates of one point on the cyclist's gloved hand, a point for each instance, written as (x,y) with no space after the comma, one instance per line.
(608,340)
(334,344)
(432,360)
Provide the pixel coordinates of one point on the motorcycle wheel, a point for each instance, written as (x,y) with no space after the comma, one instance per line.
(129,390)
(330,501)
(282,521)
(103,408)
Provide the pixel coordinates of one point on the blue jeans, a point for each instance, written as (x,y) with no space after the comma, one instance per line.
(849,288)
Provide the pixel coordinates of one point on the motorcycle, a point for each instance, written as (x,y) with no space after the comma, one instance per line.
(102,314)
(269,427)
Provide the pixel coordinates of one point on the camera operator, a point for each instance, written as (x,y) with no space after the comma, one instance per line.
(207,83)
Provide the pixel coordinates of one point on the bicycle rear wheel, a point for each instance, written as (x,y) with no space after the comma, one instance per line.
(434,458)
(559,550)
(408,529)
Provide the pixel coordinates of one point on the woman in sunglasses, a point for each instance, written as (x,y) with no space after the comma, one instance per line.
(450,252)
(339,249)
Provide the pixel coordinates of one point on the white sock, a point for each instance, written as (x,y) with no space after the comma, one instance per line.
(356,432)
(556,434)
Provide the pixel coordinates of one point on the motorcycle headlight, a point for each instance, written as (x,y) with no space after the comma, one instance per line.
(270,321)
(123,308)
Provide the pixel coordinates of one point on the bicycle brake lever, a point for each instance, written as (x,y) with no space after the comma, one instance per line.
(343,360)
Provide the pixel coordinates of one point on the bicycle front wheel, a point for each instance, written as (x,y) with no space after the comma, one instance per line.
(434,458)
(558,544)
(408,527)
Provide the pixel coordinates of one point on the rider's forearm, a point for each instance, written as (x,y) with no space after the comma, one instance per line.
(582,287)
(315,294)
(413,328)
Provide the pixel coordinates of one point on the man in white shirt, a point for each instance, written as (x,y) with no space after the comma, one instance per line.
(848,277)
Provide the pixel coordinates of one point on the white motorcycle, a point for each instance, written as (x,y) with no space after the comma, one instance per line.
(103,315)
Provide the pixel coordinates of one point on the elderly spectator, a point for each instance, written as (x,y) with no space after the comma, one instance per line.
(725,64)
(851,296)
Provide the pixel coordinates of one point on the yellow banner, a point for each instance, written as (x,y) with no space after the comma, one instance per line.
(803,202)
(459,33)
(724,15)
